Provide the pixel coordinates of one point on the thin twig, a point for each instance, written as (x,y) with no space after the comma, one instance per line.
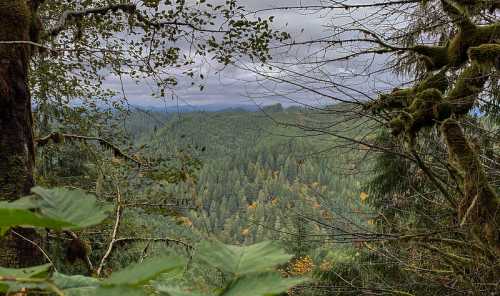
(115,230)
(36,245)
(129,8)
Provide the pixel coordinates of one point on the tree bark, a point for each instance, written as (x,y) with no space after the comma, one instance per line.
(17,155)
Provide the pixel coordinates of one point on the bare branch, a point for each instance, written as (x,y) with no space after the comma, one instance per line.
(339,6)
(130,8)
(113,239)
(69,15)
(37,246)
(380,41)
(58,137)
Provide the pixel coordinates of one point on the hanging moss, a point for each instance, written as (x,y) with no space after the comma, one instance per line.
(455,52)
(485,56)
(466,89)
(422,109)
(423,100)
(457,48)
(434,57)
(397,99)
(470,37)
(438,81)
(431,102)
(402,98)
(480,203)
(418,104)
(400,123)
(418,115)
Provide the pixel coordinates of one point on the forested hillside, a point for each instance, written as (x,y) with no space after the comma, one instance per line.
(259,180)
(236,176)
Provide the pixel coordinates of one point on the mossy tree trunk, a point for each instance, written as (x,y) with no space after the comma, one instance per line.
(16,131)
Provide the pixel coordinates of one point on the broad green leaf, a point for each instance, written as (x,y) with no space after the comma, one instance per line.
(12,217)
(79,285)
(75,207)
(60,209)
(24,203)
(25,272)
(82,291)
(120,291)
(141,273)
(261,284)
(105,291)
(30,272)
(259,257)
(174,291)
(73,281)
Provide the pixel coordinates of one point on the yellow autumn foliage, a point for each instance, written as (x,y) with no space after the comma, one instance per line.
(245,231)
(301,266)
(184,221)
(363,196)
(252,206)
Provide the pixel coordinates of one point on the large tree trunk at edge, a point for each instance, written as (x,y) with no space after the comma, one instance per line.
(16,128)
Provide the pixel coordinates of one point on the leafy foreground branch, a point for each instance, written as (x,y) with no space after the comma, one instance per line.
(249,270)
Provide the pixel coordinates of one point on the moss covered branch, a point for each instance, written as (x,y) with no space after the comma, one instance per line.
(455,52)
(473,52)
(60,138)
(486,56)
(402,98)
(480,205)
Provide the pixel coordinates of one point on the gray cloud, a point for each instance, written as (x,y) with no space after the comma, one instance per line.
(237,85)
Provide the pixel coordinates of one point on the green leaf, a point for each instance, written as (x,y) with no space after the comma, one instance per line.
(25,272)
(73,281)
(12,217)
(60,209)
(141,273)
(105,291)
(261,284)
(75,207)
(174,291)
(30,272)
(24,203)
(259,257)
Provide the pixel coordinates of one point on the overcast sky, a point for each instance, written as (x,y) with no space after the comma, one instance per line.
(233,86)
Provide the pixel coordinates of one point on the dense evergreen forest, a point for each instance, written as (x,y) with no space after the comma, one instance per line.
(258,180)
(379,174)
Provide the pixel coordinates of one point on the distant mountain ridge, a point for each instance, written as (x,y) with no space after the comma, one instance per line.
(206,108)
